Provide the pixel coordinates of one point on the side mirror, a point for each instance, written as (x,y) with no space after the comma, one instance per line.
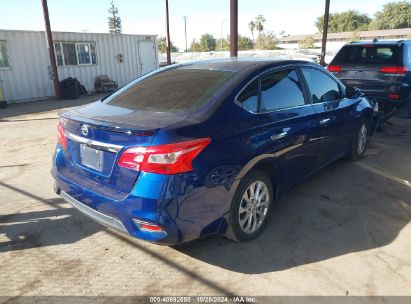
(351,92)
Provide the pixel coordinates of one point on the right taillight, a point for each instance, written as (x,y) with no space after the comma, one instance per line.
(394,70)
(163,159)
(334,68)
(61,135)
(394,96)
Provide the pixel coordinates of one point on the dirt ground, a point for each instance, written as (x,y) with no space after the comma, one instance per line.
(345,231)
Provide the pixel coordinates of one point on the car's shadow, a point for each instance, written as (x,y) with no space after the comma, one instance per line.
(339,211)
(45,228)
(42,106)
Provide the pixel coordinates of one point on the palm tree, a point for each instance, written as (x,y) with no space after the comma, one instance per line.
(251,26)
(259,23)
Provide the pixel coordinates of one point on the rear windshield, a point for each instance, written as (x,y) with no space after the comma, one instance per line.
(176,90)
(369,54)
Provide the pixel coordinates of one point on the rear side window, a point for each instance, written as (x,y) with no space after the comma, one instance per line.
(322,87)
(249,97)
(176,90)
(280,90)
(369,54)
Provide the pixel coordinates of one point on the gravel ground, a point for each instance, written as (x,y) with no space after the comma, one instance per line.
(345,231)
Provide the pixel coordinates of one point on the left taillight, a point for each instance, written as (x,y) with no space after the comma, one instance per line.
(334,68)
(61,135)
(163,159)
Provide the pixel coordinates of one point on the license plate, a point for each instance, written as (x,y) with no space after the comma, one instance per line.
(91,158)
(358,75)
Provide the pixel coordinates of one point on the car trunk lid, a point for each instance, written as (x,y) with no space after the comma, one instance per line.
(98,133)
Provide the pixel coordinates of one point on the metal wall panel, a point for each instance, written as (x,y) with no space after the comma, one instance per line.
(28,77)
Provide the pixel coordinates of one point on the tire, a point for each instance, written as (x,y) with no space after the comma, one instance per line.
(360,141)
(405,112)
(247,219)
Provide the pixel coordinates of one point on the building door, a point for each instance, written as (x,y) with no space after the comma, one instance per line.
(147,57)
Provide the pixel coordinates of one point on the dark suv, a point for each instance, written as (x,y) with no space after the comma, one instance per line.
(380,69)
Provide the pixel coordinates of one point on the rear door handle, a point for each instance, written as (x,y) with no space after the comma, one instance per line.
(325,121)
(280,135)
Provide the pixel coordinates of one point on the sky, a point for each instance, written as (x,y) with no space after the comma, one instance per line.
(148,16)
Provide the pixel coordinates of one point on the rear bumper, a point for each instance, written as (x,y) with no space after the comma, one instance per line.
(183,207)
(380,91)
(103,219)
(117,214)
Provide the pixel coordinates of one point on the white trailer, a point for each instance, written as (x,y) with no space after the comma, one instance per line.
(25,65)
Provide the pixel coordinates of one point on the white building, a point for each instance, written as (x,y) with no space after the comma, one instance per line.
(336,40)
(25,64)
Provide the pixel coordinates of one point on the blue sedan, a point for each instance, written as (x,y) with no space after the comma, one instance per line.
(205,148)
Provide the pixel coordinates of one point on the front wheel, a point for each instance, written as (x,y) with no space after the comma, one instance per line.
(360,142)
(251,205)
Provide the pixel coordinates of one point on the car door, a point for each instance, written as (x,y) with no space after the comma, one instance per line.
(335,124)
(291,122)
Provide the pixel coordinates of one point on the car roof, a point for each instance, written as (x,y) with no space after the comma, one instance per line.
(236,64)
(379,42)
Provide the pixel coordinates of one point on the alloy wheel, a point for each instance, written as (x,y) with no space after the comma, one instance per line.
(362,139)
(253,207)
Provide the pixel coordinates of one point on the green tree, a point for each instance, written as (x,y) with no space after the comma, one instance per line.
(245,43)
(162,45)
(347,21)
(251,26)
(393,15)
(195,46)
(223,44)
(207,43)
(114,20)
(307,43)
(354,37)
(266,41)
(259,23)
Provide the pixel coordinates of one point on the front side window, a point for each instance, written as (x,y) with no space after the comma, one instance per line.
(4,59)
(322,87)
(248,98)
(280,90)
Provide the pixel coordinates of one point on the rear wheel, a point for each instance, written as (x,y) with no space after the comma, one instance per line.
(406,111)
(360,142)
(251,205)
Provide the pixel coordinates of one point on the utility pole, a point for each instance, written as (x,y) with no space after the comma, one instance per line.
(168,35)
(234,28)
(325,32)
(50,46)
(185,29)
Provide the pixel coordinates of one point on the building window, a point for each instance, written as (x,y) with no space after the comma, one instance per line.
(4,58)
(69,53)
(59,53)
(75,53)
(83,52)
